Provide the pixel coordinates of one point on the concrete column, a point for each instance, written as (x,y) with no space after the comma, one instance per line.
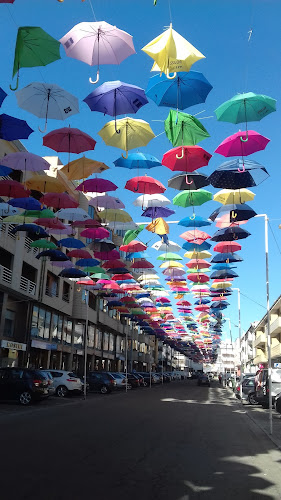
(48,360)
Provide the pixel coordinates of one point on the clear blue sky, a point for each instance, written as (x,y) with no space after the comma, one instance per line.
(219,29)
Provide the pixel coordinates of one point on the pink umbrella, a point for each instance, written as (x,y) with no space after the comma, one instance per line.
(67,230)
(195,236)
(111,285)
(51,223)
(24,161)
(106,201)
(224,221)
(69,140)
(97,185)
(95,233)
(79,254)
(242,144)
(113,254)
(58,200)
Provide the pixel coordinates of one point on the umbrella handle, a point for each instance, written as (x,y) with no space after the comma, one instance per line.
(243,169)
(235,237)
(182,154)
(17,84)
(126,156)
(186,180)
(97,79)
(44,129)
(172,76)
(247,137)
(233,214)
(227,261)
(192,217)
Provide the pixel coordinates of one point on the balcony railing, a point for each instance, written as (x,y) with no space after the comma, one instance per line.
(27,286)
(66,297)
(51,292)
(276,351)
(5,275)
(27,246)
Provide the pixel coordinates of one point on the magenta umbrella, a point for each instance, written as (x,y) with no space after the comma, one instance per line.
(68,230)
(113,254)
(58,200)
(106,201)
(97,185)
(95,233)
(69,140)
(242,144)
(24,161)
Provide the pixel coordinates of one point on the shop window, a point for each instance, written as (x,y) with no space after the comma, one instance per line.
(91,336)
(34,321)
(52,285)
(9,324)
(78,335)
(41,322)
(98,339)
(54,329)
(66,291)
(105,341)
(111,342)
(67,331)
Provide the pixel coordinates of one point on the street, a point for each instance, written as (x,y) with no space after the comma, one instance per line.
(172,442)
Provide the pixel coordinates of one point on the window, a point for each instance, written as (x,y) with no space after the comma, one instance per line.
(54,328)
(16,374)
(9,324)
(98,339)
(111,342)
(41,322)
(91,336)
(52,285)
(78,338)
(66,291)
(47,325)
(105,341)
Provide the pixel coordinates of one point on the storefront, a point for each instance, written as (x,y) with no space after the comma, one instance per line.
(12,353)
(40,354)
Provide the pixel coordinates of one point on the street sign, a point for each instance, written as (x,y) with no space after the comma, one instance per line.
(277,365)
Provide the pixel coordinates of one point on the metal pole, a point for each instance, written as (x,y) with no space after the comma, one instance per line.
(86,344)
(240,347)
(162,364)
(126,356)
(150,376)
(268,324)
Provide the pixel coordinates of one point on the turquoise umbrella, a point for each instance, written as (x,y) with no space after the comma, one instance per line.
(247,107)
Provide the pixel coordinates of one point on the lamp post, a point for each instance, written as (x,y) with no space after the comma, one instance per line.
(239,329)
(86,343)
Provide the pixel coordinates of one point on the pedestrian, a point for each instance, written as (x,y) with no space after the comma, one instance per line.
(220,377)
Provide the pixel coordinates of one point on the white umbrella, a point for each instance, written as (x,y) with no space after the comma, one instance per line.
(47,100)
(162,247)
(122,225)
(106,201)
(151,200)
(6,209)
(72,214)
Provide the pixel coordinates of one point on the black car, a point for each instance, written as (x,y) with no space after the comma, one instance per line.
(262,389)
(203,379)
(133,380)
(23,385)
(101,381)
(141,379)
(248,391)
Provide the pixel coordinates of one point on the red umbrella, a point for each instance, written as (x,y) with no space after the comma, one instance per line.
(113,264)
(227,247)
(79,254)
(125,300)
(120,277)
(13,189)
(69,140)
(186,158)
(113,286)
(133,246)
(142,264)
(183,303)
(58,200)
(198,277)
(95,233)
(195,236)
(198,264)
(86,223)
(145,185)
(51,223)
(96,185)
(163,300)
(113,254)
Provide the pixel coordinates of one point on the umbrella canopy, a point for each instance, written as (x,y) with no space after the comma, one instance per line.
(49,222)
(151,200)
(47,100)
(204,254)
(230,234)
(245,107)
(226,257)
(86,223)
(142,264)
(82,168)
(242,144)
(27,203)
(192,198)
(195,236)
(3,94)
(98,43)
(113,214)
(171,52)
(31,229)
(87,262)
(69,140)
(228,196)
(222,274)
(57,200)
(228,246)
(185,90)
(12,128)
(194,221)
(137,160)
(71,243)
(25,161)
(56,255)
(171,246)
(169,256)
(45,184)
(237,212)
(183,129)
(113,254)
(95,233)
(78,253)
(198,264)
(72,272)
(6,210)
(96,185)
(192,181)
(43,244)
(155,212)
(34,47)
(4,171)
(133,246)
(132,133)
(145,185)
(237,174)
(186,158)
(72,214)
(13,189)
(113,264)
(158,226)
(106,201)
(102,246)
(196,247)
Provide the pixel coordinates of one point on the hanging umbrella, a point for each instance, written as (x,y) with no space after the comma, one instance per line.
(228,196)
(97,185)
(242,144)
(43,244)
(23,160)
(50,223)
(194,221)
(87,262)
(195,237)
(47,100)
(169,256)
(132,234)
(198,264)
(82,168)
(113,254)
(237,174)
(72,214)
(126,133)
(196,247)
(68,230)
(34,47)
(171,264)
(142,264)
(246,107)
(204,254)
(186,158)
(78,253)
(72,272)
(237,212)
(222,274)
(45,184)
(53,254)
(113,264)
(69,140)
(151,200)
(6,210)
(155,212)
(13,189)
(27,203)
(3,96)
(158,226)
(98,43)
(12,128)
(71,243)
(102,246)
(31,229)
(5,171)
(64,264)
(171,246)
(183,129)
(106,201)
(133,246)
(186,90)
(37,214)
(171,52)
(192,181)
(145,185)
(56,200)
(86,223)
(227,246)
(192,198)
(137,160)
(226,257)
(230,234)
(117,215)
(95,233)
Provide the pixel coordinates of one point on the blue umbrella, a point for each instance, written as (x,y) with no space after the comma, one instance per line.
(186,90)
(237,212)
(197,248)
(114,303)
(238,173)
(3,96)
(118,270)
(154,212)
(194,221)
(72,272)
(70,243)
(223,266)
(138,160)
(201,301)
(30,228)
(26,203)
(4,171)
(222,274)
(230,234)
(12,128)
(226,257)
(55,255)
(87,262)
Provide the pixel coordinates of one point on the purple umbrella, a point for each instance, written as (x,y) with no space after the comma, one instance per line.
(96,186)
(64,264)
(67,230)
(25,161)
(106,201)
(12,128)
(154,212)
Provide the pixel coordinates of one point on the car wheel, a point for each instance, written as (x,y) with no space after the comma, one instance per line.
(62,391)
(25,398)
(251,399)
(145,384)
(104,390)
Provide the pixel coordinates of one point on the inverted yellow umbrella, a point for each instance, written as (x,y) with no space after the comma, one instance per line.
(158,226)
(126,133)
(233,196)
(45,184)
(115,215)
(204,254)
(222,284)
(82,168)
(171,263)
(171,53)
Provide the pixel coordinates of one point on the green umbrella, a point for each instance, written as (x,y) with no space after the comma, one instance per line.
(248,107)
(132,234)
(43,244)
(192,198)
(169,256)
(46,213)
(183,129)
(100,276)
(96,269)
(34,47)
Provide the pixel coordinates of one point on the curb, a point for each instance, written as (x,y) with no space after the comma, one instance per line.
(265,431)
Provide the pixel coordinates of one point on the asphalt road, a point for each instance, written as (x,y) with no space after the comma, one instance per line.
(176,442)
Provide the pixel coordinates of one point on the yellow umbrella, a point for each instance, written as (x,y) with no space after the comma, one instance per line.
(126,133)
(82,168)
(45,184)
(204,254)
(17,219)
(233,196)
(222,284)
(115,215)
(158,226)
(171,263)
(172,53)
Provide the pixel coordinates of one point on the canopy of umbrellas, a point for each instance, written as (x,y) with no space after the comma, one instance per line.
(99,266)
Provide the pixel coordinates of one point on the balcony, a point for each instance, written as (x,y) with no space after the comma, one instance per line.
(51,292)
(276,351)
(5,275)
(27,246)
(133,356)
(27,286)
(261,357)
(141,357)
(260,340)
(275,327)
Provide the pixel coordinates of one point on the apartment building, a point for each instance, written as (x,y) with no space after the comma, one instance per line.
(260,337)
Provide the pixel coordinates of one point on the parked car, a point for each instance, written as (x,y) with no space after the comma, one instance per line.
(248,391)
(23,385)
(262,386)
(102,382)
(140,378)
(154,379)
(166,377)
(203,379)
(120,380)
(66,382)
(133,380)
(51,387)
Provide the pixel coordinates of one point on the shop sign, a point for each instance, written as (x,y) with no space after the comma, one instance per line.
(79,352)
(17,346)
(43,345)
(277,365)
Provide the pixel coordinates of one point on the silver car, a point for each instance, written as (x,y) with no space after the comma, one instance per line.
(51,387)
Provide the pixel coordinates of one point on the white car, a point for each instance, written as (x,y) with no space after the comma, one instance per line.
(66,382)
(120,380)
